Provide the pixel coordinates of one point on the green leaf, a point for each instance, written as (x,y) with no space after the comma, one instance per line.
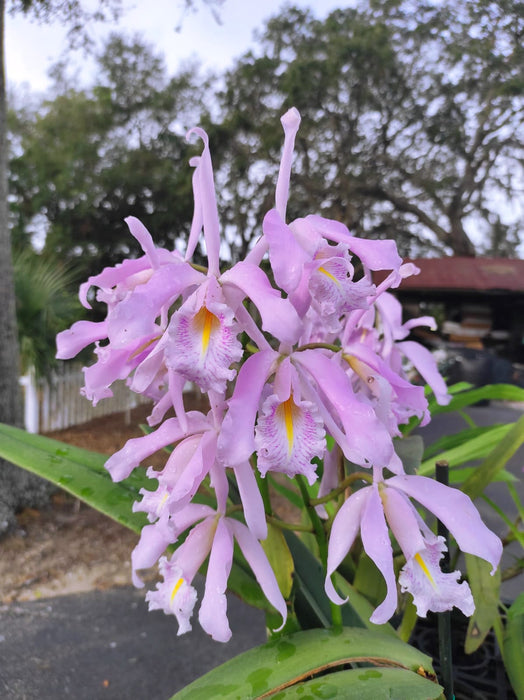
(64,466)
(486,594)
(410,450)
(500,392)
(368,580)
(280,558)
(409,619)
(365,684)
(513,647)
(447,442)
(458,476)
(496,460)
(311,602)
(283,663)
(476,448)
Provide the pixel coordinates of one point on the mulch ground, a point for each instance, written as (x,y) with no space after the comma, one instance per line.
(69,547)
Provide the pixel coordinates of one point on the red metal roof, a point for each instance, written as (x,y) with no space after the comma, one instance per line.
(465,274)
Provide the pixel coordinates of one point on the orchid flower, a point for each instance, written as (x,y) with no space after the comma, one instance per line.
(214,536)
(386,502)
(327,348)
(137,293)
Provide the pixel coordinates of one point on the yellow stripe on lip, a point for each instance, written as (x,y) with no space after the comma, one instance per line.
(206,322)
(176,588)
(287,408)
(425,569)
(328,274)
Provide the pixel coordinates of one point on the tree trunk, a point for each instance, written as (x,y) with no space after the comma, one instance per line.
(17,487)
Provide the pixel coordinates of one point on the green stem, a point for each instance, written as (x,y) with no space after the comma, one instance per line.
(200,268)
(315,346)
(297,527)
(342,487)
(336,612)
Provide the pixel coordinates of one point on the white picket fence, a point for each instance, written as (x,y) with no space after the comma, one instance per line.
(56,403)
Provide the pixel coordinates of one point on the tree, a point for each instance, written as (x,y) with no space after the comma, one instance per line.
(417,114)
(88,158)
(18,488)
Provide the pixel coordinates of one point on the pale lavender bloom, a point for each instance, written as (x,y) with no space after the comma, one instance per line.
(312,271)
(289,431)
(394,398)
(214,537)
(138,294)
(394,330)
(321,382)
(367,511)
(203,340)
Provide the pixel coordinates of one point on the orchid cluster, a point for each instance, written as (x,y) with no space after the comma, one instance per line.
(313,358)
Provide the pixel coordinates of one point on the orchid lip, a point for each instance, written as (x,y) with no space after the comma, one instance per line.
(418,558)
(176,588)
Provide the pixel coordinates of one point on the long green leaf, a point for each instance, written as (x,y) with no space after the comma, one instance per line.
(500,392)
(52,461)
(513,649)
(364,684)
(285,662)
(496,460)
(448,442)
(87,458)
(476,448)
(486,594)
(82,473)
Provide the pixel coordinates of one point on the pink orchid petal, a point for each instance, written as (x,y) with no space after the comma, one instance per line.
(279,318)
(111,365)
(236,442)
(402,520)
(374,254)
(213,611)
(430,587)
(159,411)
(456,511)
(344,530)
(252,503)
(174,595)
(257,560)
(375,539)
(80,335)
(111,276)
(290,122)
(122,463)
(142,235)
(135,316)
(426,364)
(286,255)
(198,218)
(154,539)
(368,439)
(191,554)
(205,198)
(203,341)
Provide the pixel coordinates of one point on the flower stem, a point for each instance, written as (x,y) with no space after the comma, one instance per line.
(297,527)
(342,487)
(319,346)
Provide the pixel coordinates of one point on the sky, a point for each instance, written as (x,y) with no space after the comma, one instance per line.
(31,48)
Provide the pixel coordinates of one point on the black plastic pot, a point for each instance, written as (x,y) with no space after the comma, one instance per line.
(477,676)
